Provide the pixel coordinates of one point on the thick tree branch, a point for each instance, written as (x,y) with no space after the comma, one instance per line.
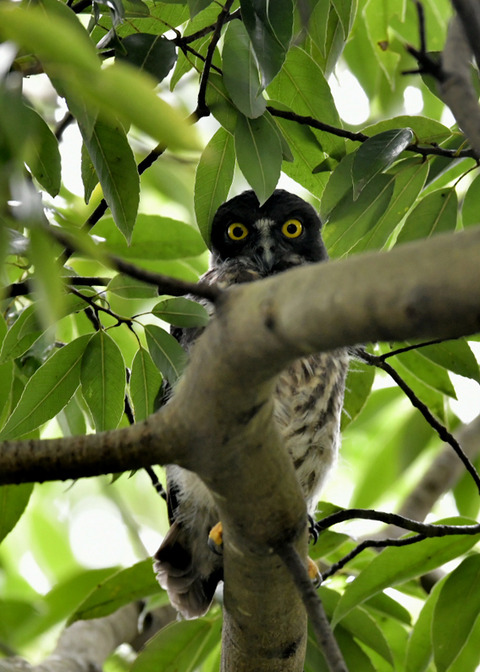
(85,645)
(423,289)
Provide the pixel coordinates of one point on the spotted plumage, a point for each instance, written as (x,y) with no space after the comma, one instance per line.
(250,242)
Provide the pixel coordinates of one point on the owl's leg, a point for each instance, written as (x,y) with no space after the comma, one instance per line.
(314,572)
(312,529)
(215,539)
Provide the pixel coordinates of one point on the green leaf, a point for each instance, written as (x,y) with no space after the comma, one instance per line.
(152,53)
(219,103)
(116,169)
(436,213)
(127,585)
(51,37)
(376,154)
(13,502)
(145,383)
(427,131)
(427,371)
(213,179)
(22,335)
(470,210)
(181,312)
(131,288)
(410,179)
(456,611)
(89,174)
(399,564)
(259,155)
(240,73)
(302,86)
(419,650)
(352,219)
(47,281)
(103,381)
(166,352)
(196,6)
(358,385)
(359,623)
(48,390)
(179,646)
(43,157)
(270,28)
(153,237)
(456,356)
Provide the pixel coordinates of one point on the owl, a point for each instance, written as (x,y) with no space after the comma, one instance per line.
(250,241)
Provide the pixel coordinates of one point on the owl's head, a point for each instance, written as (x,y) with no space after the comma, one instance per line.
(281,233)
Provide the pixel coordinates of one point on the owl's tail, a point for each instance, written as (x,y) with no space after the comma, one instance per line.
(190,590)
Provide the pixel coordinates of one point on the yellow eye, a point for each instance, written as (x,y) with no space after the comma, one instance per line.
(292,228)
(237,231)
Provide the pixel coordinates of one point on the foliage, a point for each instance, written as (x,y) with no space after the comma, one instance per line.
(84,347)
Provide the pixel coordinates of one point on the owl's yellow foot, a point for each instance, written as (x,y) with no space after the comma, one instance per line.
(314,573)
(215,538)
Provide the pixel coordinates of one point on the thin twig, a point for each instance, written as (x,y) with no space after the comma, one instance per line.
(425,529)
(370,543)
(441,430)
(314,608)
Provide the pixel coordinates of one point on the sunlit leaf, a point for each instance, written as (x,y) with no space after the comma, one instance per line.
(166,352)
(302,86)
(117,171)
(154,237)
(395,565)
(47,280)
(259,155)
(145,383)
(127,585)
(48,390)
(455,355)
(181,312)
(13,502)
(103,381)
(131,288)
(419,651)
(470,210)
(43,157)
(357,389)
(435,213)
(455,616)
(21,335)
(213,179)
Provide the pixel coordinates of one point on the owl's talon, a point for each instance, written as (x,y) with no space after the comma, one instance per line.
(215,539)
(312,530)
(314,573)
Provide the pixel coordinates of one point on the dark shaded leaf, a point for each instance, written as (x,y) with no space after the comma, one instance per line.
(152,53)
(131,288)
(269,27)
(259,155)
(376,154)
(116,169)
(240,73)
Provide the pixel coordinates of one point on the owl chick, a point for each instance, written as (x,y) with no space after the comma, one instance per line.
(250,241)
